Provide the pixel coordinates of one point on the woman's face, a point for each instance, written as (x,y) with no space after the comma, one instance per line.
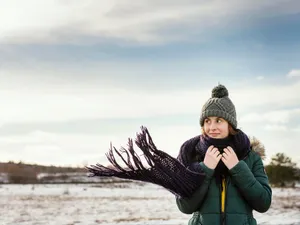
(216,127)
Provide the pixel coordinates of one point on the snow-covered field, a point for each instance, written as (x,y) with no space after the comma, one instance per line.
(130,204)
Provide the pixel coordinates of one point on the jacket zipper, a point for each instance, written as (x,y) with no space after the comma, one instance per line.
(223,199)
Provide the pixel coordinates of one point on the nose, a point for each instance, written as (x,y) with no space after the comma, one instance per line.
(213,125)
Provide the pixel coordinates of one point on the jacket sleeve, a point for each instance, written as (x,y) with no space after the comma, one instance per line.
(192,204)
(253,184)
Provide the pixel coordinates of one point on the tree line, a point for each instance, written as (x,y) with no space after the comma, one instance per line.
(282,172)
(22,173)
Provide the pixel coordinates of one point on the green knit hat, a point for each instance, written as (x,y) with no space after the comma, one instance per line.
(219,105)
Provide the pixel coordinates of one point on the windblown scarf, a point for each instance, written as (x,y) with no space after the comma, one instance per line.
(181,176)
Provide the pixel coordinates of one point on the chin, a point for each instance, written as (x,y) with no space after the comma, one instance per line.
(217,136)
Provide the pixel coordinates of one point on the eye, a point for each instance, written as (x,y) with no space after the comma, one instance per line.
(206,121)
(219,120)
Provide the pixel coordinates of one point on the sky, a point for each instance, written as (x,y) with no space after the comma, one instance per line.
(78,75)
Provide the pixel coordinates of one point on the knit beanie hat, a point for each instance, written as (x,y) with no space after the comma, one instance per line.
(219,105)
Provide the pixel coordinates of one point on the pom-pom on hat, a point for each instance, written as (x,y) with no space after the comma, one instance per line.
(219,105)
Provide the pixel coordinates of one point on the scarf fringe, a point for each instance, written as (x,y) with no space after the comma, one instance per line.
(163,169)
(136,165)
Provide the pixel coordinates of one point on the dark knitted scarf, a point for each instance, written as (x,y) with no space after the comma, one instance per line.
(181,176)
(193,151)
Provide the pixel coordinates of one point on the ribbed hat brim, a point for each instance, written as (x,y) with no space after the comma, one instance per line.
(218,113)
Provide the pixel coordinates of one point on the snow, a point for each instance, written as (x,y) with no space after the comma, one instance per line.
(4,178)
(108,204)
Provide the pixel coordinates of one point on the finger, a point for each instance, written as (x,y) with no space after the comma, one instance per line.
(219,157)
(210,148)
(223,160)
(208,151)
(230,148)
(225,154)
(216,155)
(227,151)
(215,150)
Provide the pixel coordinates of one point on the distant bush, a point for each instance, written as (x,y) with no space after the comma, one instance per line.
(282,172)
(50,178)
(22,173)
(22,176)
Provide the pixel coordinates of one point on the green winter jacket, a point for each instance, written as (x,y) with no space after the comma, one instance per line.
(246,188)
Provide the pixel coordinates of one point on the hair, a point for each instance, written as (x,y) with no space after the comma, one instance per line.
(232,131)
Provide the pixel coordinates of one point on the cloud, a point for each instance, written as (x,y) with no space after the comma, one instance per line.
(58,149)
(78,149)
(28,98)
(71,104)
(261,98)
(273,121)
(279,141)
(274,117)
(293,73)
(297,129)
(272,127)
(34,138)
(260,78)
(74,149)
(143,21)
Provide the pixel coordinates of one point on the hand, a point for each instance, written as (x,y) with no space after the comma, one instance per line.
(229,158)
(212,157)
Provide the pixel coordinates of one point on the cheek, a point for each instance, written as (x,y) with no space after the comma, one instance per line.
(225,129)
(206,129)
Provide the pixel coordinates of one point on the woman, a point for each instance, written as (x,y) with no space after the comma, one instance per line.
(218,176)
(235,181)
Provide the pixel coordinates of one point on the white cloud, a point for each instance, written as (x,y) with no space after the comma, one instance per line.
(272,127)
(58,149)
(27,98)
(252,117)
(279,140)
(79,149)
(248,99)
(34,138)
(74,149)
(297,129)
(70,104)
(260,78)
(55,21)
(293,73)
(274,117)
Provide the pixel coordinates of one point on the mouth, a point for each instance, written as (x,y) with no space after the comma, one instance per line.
(214,134)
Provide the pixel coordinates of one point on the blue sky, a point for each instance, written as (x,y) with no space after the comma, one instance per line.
(75,75)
